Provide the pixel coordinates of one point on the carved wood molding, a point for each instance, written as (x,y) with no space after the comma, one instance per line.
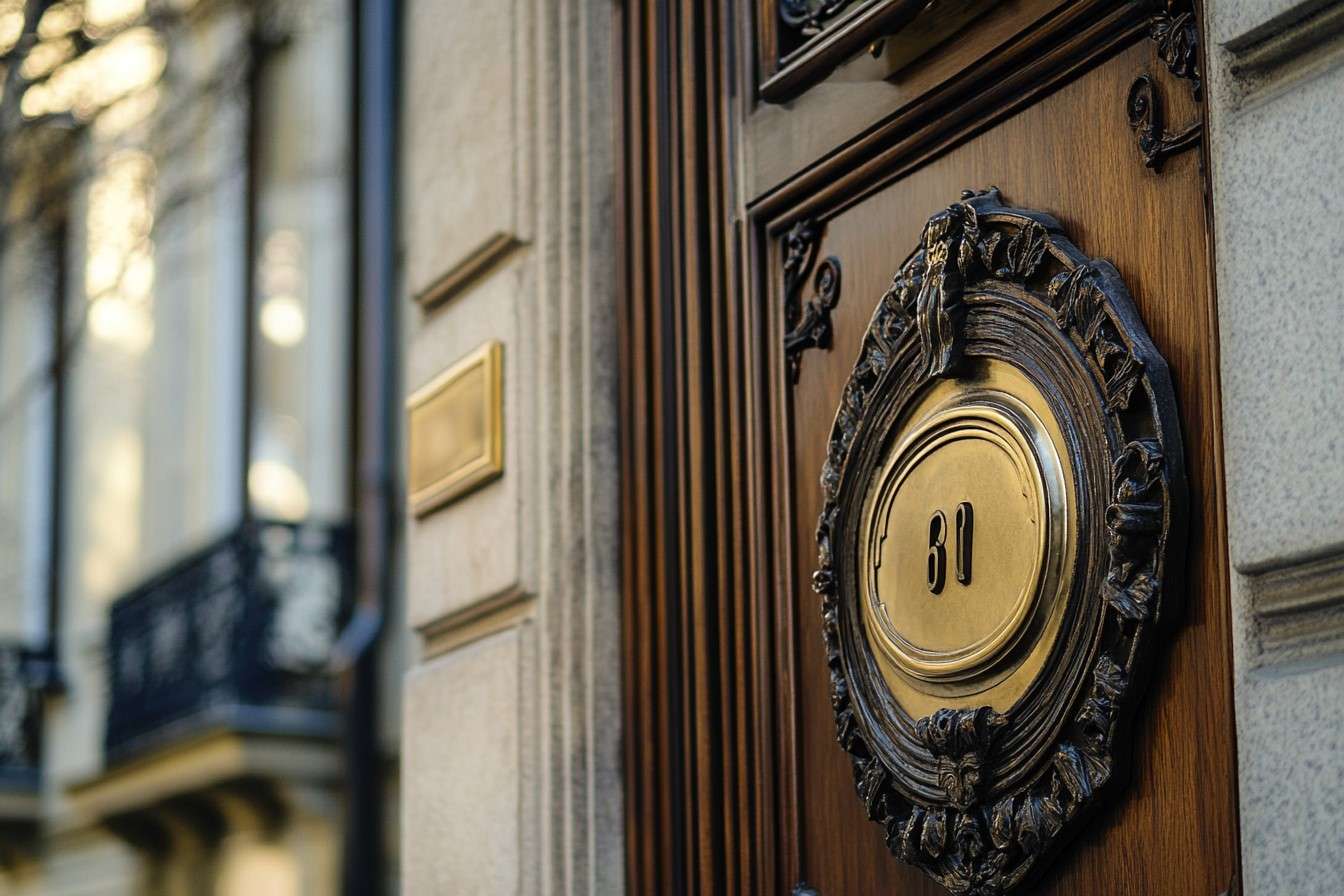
(976,797)
(819,35)
(1032,64)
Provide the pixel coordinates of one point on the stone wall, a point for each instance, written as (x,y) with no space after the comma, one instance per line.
(511,715)
(1276,127)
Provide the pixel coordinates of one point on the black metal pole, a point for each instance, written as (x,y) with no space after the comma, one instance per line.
(60,365)
(376,391)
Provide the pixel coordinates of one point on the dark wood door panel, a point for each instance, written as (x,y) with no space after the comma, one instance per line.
(1073,155)
(734,781)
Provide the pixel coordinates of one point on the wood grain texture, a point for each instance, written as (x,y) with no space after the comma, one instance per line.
(1071,154)
(688,558)
(734,781)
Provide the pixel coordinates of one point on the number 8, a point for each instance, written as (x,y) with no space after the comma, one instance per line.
(937,553)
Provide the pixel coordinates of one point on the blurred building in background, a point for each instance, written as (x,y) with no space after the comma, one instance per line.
(185,675)
(557,255)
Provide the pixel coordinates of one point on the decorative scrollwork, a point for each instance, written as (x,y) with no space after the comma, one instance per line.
(948,249)
(15,699)
(246,624)
(800,253)
(976,797)
(1175,32)
(1174,29)
(960,739)
(808,323)
(1135,522)
(1079,301)
(813,328)
(1146,119)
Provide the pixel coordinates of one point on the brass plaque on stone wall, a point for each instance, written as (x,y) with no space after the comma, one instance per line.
(1004,507)
(456,430)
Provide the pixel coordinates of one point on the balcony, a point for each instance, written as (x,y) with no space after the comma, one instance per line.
(23,673)
(235,639)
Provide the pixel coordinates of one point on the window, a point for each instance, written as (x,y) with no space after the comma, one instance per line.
(29,280)
(205,177)
(155,364)
(298,464)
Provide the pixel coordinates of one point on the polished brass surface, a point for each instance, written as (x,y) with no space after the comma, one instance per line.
(967,540)
(456,430)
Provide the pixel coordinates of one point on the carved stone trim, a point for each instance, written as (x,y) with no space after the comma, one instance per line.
(974,797)
(809,323)
(1287,37)
(1298,611)
(478,262)
(1295,44)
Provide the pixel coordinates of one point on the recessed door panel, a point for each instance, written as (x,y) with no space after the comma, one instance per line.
(1072,156)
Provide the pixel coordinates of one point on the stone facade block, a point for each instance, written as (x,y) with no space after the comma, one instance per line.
(469,550)
(460,160)
(460,820)
(1280,270)
(1276,122)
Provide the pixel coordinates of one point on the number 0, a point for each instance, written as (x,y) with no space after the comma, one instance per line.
(964,520)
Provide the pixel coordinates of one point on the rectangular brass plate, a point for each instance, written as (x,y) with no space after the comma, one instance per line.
(456,430)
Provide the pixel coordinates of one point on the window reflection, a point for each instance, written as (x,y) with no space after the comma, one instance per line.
(119,272)
(108,380)
(154,311)
(300,438)
(154,319)
(283,289)
(131,61)
(175,342)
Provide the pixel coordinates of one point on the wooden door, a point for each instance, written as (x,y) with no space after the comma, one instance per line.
(738,129)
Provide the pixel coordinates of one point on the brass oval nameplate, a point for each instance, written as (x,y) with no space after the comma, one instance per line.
(1004,494)
(965,531)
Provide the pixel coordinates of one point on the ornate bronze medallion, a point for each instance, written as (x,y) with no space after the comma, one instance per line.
(1004,501)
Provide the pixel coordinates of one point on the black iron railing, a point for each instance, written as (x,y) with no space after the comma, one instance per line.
(22,673)
(236,637)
